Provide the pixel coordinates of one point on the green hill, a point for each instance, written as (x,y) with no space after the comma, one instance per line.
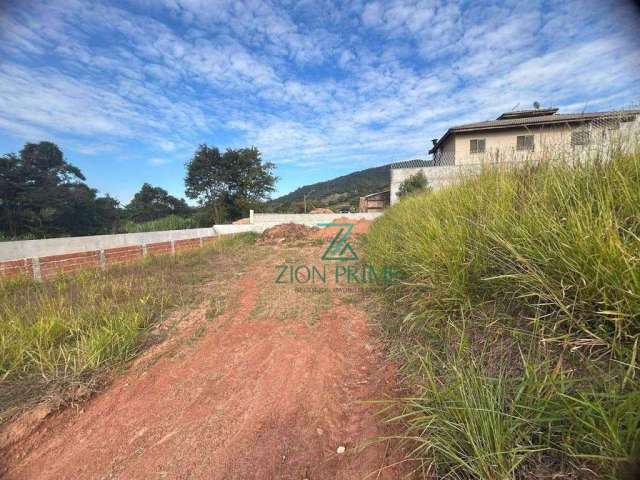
(334,193)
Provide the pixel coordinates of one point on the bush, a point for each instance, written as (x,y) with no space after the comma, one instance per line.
(540,264)
(171,222)
(414,184)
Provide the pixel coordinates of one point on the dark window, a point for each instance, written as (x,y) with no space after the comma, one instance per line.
(524,142)
(580,137)
(477,145)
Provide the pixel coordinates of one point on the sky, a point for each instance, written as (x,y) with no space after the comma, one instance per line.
(129,89)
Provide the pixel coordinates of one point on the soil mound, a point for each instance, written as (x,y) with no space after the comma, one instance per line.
(287,232)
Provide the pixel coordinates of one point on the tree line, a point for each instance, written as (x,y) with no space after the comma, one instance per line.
(43,195)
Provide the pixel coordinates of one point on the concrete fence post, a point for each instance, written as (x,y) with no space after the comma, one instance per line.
(144,250)
(201,242)
(251,219)
(103,259)
(35,265)
(173,247)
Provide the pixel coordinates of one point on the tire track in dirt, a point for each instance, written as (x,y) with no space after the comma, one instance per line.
(257,395)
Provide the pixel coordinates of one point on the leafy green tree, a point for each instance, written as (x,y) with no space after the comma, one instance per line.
(41,194)
(152,203)
(414,184)
(231,183)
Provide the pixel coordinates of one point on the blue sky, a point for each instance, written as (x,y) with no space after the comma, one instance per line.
(129,89)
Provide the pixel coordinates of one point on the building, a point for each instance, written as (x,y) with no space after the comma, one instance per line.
(524,134)
(512,137)
(374,202)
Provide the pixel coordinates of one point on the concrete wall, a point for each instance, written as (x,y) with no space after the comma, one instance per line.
(47,257)
(59,246)
(310,218)
(437,177)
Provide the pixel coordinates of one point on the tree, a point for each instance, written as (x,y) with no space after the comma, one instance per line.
(41,194)
(414,184)
(151,203)
(230,183)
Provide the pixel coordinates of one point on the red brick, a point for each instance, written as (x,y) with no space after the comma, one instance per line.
(69,256)
(123,254)
(187,244)
(16,267)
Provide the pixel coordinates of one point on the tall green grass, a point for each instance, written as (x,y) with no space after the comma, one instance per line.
(73,326)
(536,264)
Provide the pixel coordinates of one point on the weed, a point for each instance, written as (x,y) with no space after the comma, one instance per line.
(518,318)
(72,327)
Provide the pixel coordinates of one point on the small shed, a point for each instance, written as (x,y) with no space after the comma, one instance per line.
(375,202)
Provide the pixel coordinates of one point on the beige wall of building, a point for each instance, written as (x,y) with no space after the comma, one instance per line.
(501,145)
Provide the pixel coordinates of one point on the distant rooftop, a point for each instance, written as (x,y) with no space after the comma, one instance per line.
(417,163)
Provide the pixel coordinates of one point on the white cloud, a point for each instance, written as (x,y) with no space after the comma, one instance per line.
(158,161)
(317,83)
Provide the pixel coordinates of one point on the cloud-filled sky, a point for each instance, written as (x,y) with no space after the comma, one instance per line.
(129,89)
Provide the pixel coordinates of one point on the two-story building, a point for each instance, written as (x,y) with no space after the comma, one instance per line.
(516,136)
(527,133)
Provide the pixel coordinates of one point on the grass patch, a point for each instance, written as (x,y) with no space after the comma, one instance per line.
(71,328)
(519,319)
(170,222)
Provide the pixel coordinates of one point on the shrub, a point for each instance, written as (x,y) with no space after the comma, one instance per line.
(171,222)
(414,184)
(545,259)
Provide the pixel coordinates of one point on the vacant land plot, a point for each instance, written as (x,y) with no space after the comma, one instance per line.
(252,380)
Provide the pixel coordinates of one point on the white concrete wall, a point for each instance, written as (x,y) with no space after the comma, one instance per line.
(310,218)
(437,177)
(58,246)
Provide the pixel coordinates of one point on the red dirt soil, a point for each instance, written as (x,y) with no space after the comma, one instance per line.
(249,398)
(359,227)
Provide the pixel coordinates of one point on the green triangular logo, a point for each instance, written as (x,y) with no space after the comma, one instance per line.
(339,248)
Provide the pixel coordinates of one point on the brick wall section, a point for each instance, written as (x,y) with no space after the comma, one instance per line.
(123,254)
(158,248)
(187,244)
(70,262)
(209,240)
(16,267)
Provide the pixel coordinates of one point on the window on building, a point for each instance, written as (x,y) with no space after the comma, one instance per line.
(524,142)
(580,137)
(477,145)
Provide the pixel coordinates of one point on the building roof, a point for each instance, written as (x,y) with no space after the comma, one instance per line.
(416,163)
(377,193)
(538,112)
(526,118)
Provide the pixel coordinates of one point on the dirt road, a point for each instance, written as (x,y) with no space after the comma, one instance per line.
(270,388)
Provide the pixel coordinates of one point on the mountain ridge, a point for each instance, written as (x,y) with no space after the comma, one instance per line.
(336,192)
